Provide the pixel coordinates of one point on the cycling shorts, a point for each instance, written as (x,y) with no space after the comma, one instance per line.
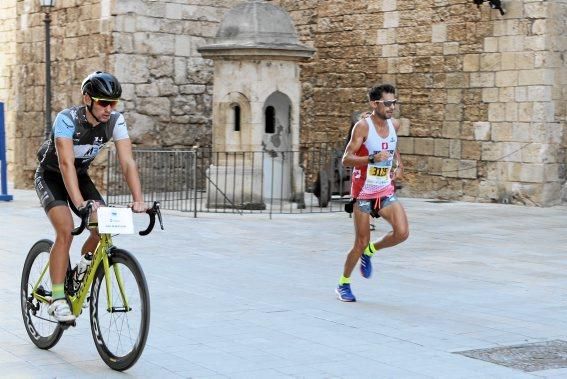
(51,190)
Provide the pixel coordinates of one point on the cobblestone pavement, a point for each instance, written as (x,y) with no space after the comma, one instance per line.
(248,297)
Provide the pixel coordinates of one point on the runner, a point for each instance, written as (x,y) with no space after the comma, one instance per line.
(371,152)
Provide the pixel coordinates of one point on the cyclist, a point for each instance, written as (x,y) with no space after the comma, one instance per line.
(62,181)
(372,149)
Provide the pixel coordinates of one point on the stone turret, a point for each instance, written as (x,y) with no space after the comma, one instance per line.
(256,97)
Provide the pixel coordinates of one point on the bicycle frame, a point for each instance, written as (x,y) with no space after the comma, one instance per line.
(100,255)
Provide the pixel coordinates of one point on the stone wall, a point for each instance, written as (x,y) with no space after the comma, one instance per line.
(80,43)
(483,96)
(151,47)
(8,60)
(167,84)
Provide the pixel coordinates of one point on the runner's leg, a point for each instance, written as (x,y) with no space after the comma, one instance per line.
(395,215)
(362,237)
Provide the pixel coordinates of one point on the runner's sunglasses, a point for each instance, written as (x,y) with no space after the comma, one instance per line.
(387,103)
(105,102)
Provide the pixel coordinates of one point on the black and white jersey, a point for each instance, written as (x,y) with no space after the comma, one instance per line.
(88,140)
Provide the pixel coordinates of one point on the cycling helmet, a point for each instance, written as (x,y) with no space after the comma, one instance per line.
(102,85)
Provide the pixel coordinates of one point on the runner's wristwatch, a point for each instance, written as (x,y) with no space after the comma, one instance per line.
(371,158)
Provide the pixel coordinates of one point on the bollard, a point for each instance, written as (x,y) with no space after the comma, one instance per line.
(3,164)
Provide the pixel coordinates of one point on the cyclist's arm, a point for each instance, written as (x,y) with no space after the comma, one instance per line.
(130,171)
(66,156)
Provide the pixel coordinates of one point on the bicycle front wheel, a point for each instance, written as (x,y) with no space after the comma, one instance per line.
(120,312)
(43,329)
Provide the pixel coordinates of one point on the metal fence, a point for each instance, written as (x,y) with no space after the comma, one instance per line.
(306,181)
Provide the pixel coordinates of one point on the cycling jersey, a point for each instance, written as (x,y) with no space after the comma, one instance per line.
(88,140)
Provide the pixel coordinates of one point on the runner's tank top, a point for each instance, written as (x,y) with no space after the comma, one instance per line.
(374,180)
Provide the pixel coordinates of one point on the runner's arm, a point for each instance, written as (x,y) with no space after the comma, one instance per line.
(359,135)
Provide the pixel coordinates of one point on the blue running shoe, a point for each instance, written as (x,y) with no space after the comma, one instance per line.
(344,293)
(365,266)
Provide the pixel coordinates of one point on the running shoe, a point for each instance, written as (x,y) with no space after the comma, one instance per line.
(365,266)
(344,293)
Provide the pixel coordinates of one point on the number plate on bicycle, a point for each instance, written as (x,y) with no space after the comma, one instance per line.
(115,220)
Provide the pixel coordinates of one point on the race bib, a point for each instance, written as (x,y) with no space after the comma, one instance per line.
(115,220)
(379,174)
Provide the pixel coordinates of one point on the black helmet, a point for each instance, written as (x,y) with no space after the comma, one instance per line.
(101,84)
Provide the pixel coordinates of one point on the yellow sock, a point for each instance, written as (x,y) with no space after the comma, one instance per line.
(370,250)
(57,291)
(344,280)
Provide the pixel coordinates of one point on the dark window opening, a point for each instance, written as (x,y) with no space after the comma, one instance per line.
(270,125)
(236,110)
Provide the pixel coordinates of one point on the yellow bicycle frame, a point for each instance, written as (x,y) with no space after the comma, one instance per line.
(101,254)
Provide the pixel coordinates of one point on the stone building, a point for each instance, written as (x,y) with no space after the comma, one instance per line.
(483,96)
(256,104)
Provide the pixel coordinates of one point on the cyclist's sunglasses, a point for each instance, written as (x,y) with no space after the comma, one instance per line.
(105,102)
(387,103)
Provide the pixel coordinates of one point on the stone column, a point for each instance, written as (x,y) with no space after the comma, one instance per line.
(8,28)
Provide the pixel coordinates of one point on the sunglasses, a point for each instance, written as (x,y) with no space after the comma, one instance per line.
(387,103)
(105,102)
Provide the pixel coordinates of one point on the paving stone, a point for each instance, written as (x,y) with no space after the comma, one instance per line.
(246,296)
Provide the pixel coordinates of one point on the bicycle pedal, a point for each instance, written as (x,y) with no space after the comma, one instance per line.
(66,324)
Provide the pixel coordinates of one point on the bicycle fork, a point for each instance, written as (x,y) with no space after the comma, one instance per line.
(120,282)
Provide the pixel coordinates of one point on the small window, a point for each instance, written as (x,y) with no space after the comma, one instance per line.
(236,114)
(270,126)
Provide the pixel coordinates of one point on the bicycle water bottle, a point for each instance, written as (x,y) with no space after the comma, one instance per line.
(81,269)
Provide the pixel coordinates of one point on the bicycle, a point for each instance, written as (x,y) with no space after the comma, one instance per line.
(118,298)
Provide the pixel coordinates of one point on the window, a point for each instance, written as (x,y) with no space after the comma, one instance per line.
(236,114)
(270,124)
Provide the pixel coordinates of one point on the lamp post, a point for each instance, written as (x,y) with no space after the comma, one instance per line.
(46,5)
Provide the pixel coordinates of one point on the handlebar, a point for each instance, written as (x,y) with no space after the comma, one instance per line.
(153,211)
(85,213)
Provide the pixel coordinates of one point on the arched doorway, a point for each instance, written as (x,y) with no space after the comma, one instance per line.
(277,146)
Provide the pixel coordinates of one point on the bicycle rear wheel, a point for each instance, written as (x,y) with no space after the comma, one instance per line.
(43,329)
(120,332)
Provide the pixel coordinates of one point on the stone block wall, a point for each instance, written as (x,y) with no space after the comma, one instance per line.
(151,46)
(167,84)
(80,43)
(482,95)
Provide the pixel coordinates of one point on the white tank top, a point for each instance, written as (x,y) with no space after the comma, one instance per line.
(378,178)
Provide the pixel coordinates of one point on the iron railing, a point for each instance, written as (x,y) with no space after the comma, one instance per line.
(306,181)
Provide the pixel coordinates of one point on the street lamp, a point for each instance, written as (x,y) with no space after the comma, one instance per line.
(46,5)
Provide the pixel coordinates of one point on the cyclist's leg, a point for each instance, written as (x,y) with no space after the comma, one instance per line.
(62,221)
(51,191)
(361,239)
(395,215)
(89,191)
(53,196)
